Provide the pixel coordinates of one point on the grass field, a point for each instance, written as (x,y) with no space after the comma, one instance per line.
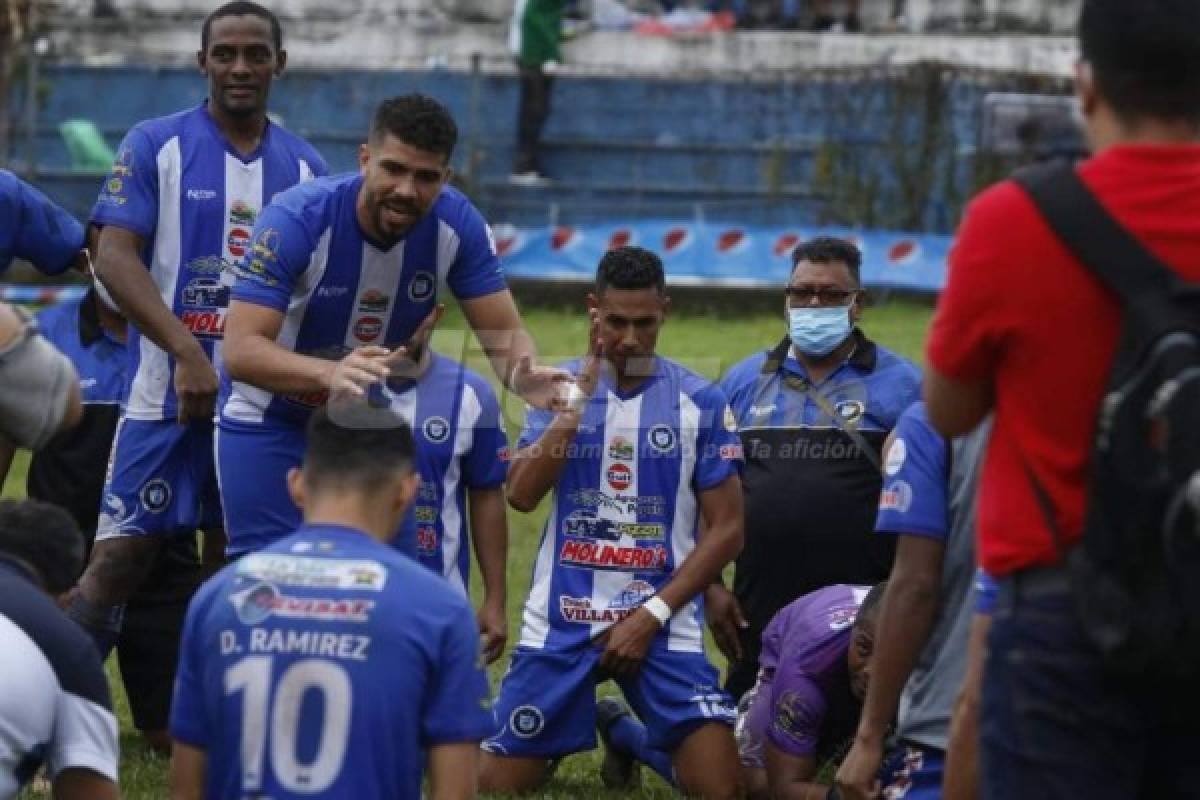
(708,344)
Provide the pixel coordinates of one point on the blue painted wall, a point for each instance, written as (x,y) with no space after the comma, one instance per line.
(782,152)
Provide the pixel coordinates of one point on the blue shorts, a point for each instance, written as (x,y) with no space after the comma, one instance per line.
(546,706)
(913,772)
(161,481)
(253,463)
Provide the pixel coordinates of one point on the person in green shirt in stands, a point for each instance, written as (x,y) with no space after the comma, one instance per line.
(534,38)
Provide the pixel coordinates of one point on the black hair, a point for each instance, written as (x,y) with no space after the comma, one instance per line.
(344,454)
(242,8)
(1145,56)
(630,267)
(868,612)
(45,538)
(830,250)
(417,120)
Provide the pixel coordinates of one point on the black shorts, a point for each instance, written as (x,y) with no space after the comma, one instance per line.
(148,653)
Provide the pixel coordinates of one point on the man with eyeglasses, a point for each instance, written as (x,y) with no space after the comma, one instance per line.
(813,412)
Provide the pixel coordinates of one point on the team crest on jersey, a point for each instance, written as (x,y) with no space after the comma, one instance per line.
(850,411)
(436,429)
(661,438)
(422,287)
(620,449)
(526,721)
(156,496)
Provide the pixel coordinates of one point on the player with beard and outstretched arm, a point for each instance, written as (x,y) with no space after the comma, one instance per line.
(341,275)
(175,213)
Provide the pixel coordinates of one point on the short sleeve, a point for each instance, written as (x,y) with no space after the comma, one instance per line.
(536,422)
(476,270)
(457,707)
(189,716)
(280,251)
(798,710)
(85,728)
(718,446)
(47,236)
(913,500)
(486,463)
(985,592)
(965,335)
(129,197)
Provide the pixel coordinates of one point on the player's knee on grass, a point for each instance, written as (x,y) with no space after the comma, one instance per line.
(117,568)
(707,764)
(508,775)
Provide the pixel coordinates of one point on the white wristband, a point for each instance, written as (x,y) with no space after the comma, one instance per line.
(658,609)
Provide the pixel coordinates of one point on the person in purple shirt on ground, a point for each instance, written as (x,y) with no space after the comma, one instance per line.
(803,710)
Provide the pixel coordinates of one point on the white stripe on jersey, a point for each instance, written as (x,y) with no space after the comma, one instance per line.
(378,276)
(243,184)
(148,393)
(306,173)
(27,706)
(469,411)
(621,418)
(249,403)
(447,250)
(535,625)
(686,633)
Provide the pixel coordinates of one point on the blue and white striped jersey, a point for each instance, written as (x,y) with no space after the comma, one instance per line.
(179,184)
(338,291)
(625,510)
(461,445)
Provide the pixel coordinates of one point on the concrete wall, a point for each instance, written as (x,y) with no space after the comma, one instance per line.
(874,148)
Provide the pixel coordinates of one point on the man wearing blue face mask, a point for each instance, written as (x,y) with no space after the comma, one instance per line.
(812,412)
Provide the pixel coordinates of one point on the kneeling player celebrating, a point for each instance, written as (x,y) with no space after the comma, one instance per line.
(644,450)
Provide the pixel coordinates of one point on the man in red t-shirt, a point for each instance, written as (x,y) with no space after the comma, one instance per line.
(1024,329)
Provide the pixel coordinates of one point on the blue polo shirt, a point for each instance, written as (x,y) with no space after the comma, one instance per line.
(811,492)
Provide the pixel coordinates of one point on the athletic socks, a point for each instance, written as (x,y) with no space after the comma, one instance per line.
(102,623)
(628,736)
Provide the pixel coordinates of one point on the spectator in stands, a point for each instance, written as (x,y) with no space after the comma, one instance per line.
(69,472)
(534,37)
(36,230)
(813,412)
(824,21)
(1023,327)
(928,503)
(55,707)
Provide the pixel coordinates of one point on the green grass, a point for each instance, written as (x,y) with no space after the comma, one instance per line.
(708,344)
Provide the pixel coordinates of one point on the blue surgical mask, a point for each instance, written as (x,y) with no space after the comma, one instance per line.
(817,331)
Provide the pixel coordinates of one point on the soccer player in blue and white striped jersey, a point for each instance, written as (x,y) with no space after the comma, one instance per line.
(646,448)
(175,212)
(341,284)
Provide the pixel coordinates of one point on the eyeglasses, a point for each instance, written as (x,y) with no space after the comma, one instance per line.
(824,296)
